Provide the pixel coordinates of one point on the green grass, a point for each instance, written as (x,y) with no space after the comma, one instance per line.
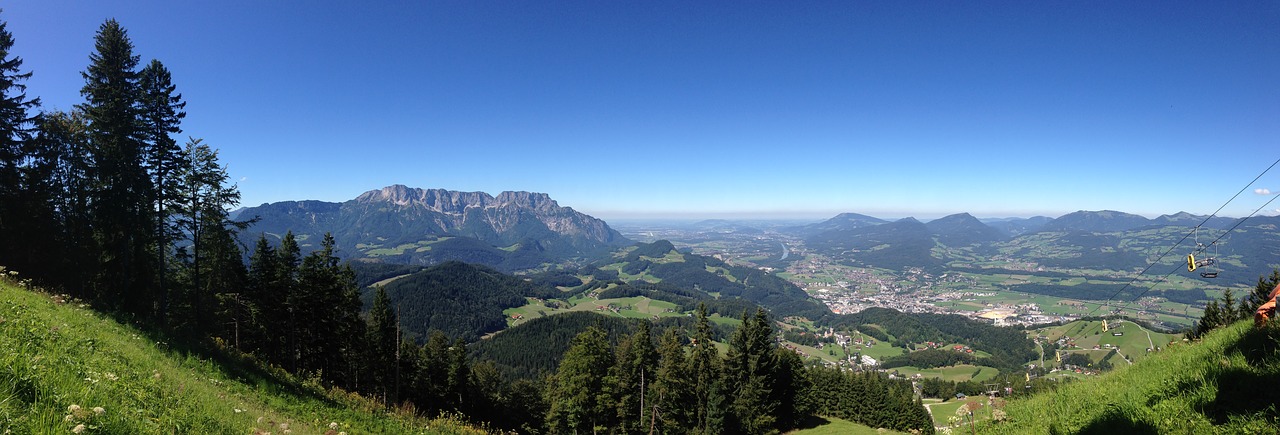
(958,373)
(835,426)
(942,412)
(640,307)
(65,365)
(1223,384)
(1087,334)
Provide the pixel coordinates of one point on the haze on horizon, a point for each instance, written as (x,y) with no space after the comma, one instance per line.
(674,110)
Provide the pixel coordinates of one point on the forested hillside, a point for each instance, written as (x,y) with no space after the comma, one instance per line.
(462,300)
(660,262)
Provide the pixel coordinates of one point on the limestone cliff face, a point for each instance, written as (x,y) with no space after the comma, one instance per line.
(501,214)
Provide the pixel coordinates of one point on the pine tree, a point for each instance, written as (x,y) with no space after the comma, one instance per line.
(326,304)
(749,365)
(632,372)
(161,113)
(16,127)
(262,293)
(672,398)
(458,385)
(705,367)
(788,382)
(289,259)
(57,175)
(121,188)
(1229,311)
(577,398)
(384,345)
(434,373)
(1260,293)
(203,215)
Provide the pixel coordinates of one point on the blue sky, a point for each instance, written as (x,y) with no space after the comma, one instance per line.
(715,109)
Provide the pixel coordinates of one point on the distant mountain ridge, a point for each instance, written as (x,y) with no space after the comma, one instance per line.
(511,231)
(1106,239)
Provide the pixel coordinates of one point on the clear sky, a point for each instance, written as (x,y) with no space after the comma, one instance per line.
(714,109)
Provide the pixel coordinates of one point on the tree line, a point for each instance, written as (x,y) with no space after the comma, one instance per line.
(1227,309)
(100,201)
(683,385)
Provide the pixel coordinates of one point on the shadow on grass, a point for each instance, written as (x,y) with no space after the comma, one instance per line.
(1245,391)
(1116,421)
(811,422)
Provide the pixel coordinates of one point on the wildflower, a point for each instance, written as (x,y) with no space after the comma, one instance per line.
(238,410)
(68,418)
(111,376)
(333,425)
(98,410)
(79,428)
(73,408)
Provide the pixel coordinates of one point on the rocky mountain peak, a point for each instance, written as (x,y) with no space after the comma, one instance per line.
(454,202)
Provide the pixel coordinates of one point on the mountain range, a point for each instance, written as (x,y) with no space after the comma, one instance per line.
(515,231)
(399,224)
(1101,240)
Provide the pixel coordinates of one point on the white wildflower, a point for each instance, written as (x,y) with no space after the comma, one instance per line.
(98,410)
(333,425)
(79,428)
(73,408)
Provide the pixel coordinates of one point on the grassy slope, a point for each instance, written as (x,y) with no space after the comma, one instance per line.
(1228,383)
(60,355)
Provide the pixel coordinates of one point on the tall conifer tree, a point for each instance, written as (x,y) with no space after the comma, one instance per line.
(705,365)
(672,387)
(579,402)
(15,135)
(384,344)
(161,113)
(122,190)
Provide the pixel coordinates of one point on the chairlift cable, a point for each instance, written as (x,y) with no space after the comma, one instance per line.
(1176,269)
(1189,234)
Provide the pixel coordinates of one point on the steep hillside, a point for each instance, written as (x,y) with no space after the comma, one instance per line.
(1223,384)
(512,231)
(65,367)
